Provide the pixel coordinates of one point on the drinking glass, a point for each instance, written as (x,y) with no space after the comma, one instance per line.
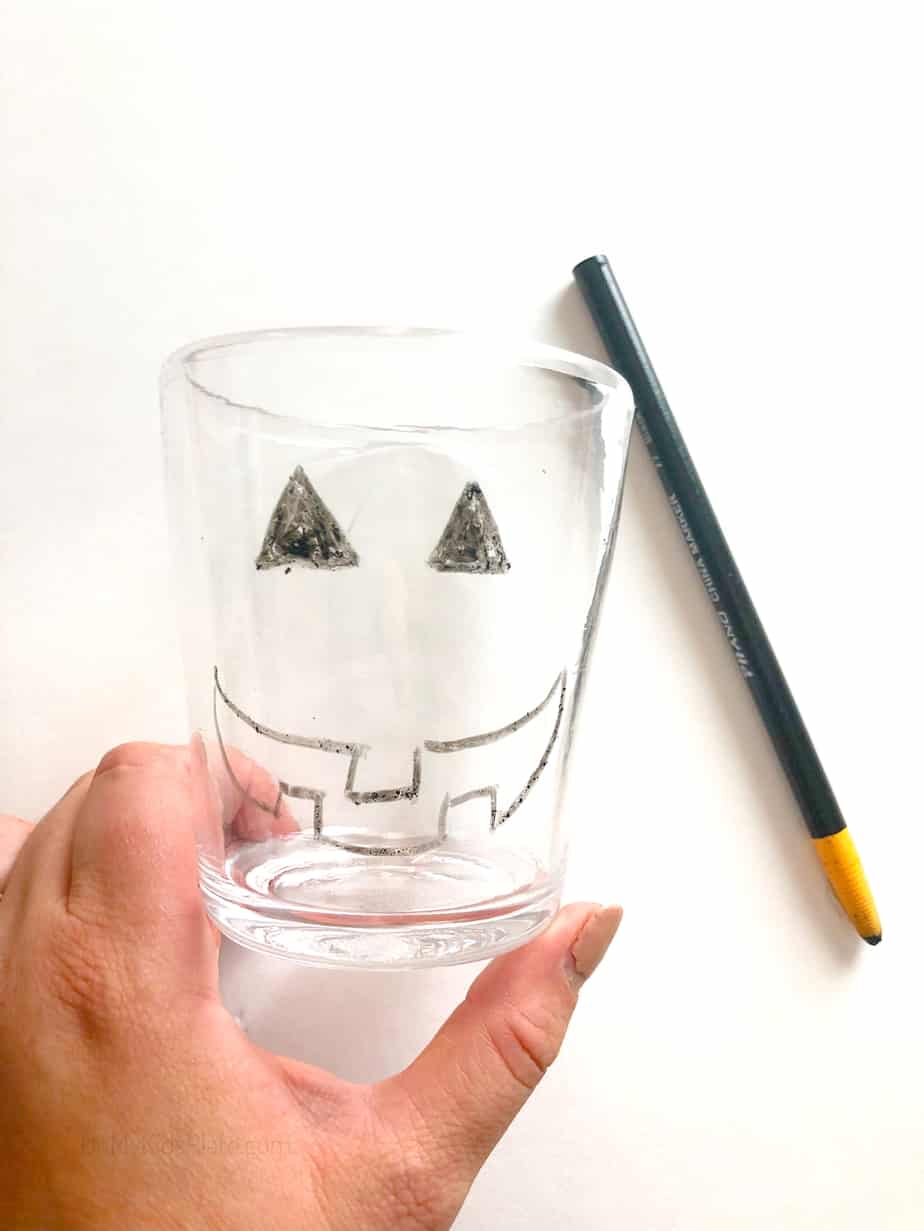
(390,549)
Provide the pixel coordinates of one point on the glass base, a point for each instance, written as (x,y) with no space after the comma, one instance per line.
(322,906)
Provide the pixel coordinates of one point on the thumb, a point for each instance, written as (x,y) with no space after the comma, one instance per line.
(460,1095)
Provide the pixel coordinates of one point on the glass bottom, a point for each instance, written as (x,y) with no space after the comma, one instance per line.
(323,906)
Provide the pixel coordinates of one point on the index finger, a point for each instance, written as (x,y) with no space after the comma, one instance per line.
(133,854)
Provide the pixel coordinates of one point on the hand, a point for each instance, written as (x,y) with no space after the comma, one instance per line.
(130,1099)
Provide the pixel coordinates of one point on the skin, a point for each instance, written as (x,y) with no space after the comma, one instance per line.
(129,1097)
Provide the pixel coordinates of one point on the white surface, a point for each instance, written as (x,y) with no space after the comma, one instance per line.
(173,170)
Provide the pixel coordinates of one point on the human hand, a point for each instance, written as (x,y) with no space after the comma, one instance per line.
(131,1100)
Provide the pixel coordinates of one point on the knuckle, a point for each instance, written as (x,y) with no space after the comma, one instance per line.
(526,1041)
(134,755)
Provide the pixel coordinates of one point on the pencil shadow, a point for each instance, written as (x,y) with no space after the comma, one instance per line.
(360,1025)
(568,321)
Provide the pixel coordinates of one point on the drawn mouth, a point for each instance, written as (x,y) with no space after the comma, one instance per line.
(355,753)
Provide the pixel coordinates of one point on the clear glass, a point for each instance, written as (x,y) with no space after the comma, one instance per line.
(390,550)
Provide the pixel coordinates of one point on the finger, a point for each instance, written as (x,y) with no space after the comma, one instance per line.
(134,866)
(134,848)
(462,1092)
(251,799)
(13,834)
(41,872)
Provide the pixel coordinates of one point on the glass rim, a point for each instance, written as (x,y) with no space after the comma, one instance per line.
(519,351)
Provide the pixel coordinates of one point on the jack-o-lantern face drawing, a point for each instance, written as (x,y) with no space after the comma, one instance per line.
(304,535)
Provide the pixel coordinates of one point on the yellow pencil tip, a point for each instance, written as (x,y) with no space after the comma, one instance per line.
(845,874)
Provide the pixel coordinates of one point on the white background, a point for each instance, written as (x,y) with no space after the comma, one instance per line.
(175,169)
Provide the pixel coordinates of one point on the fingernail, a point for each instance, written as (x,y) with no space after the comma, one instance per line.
(593,941)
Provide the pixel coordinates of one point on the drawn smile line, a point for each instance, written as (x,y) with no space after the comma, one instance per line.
(356,751)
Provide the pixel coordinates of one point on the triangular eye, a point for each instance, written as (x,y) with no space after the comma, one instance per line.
(471,542)
(303,530)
